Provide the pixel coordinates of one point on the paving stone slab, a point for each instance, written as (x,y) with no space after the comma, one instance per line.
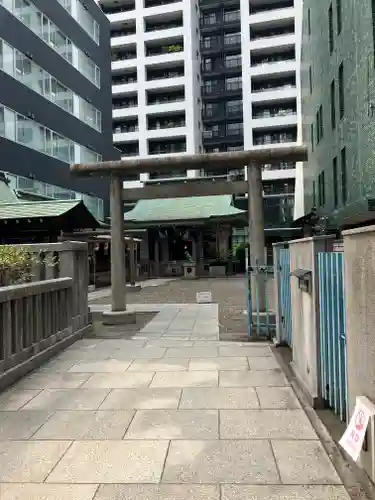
(304,462)
(218,398)
(47,380)
(156,492)
(21,424)
(56,365)
(170,343)
(119,380)
(202,364)
(30,491)
(159,365)
(263,363)
(185,379)
(138,399)
(67,399)
(282,398)
(29,461)
(261,378)
(14,399)
(82,425)
(105,366)
(265,424)
(246,350)
(283,492)
(213,462)
(111,462)
(174,424)
(192,352)
(143,353)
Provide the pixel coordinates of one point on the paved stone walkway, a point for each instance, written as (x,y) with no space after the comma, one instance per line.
(171,414)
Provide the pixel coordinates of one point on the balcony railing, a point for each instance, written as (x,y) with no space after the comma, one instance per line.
(125,129)
(273,59)
(166,49)
(165,26)
(233,86)
(114,9)
(123,81)
(158,3)
(258,8)
(116,34)
(166,100)
(233,63)
(271,34)
(232,40)
(173,148)
(283,165)
(125,104)
(232,16)
(274,139)
(128,152)
(162,76)
(267,88)
(123,56)
(166,125)
(234,110)
(272,113)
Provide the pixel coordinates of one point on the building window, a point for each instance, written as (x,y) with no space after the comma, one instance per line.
(330,29)
(341,91)
(309,22)
(41,25)
(339,15)
(319,124)
(234,128)
(344,191)
(310,80)
(18,128)
(335,182)
(80,13)
(23,69)
(207,64)
(233,83)
(321,186)
(314,195)
(333,104)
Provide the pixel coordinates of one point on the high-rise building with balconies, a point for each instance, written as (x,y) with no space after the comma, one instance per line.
(192,76)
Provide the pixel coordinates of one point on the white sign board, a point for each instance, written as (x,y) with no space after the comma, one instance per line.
(352,440)
(204,297)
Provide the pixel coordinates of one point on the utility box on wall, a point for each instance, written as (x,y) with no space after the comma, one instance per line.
(304,279)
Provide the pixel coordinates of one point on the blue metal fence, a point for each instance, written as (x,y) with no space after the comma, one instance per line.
(285,296)
(333,357)
(261,323)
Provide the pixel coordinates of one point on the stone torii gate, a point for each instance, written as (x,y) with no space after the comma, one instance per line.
(117,170)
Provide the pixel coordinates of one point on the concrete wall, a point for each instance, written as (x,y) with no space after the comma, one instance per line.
(359,250)
(305,313)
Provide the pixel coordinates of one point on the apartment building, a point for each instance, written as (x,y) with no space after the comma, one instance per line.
(55,92)
(338,91)
(205,75)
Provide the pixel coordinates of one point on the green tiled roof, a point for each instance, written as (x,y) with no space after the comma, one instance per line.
(171,209)
(36,209)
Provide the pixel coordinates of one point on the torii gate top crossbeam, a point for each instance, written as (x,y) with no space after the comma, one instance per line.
(219,161)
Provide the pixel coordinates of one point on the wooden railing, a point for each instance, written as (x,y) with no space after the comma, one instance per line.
(33,316)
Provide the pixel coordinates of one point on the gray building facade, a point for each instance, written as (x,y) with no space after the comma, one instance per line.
(55,90)
(338,106)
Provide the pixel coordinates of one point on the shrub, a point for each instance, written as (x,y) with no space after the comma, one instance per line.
(15,265)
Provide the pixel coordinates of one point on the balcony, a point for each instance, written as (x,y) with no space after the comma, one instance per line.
(217,133)
(152,26)
(124,108)
(159,3)
(153,98)
(164,49)
(267,7)
(231,64)
(126,135)
(274,138)
(122,84)
(264,44)
(166,147)
(282,64)
(232,40)
(118,14)
(266,120)
(218,19)
(129,149)
(211,44)
(119,32)
(165,78)
(123,60)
